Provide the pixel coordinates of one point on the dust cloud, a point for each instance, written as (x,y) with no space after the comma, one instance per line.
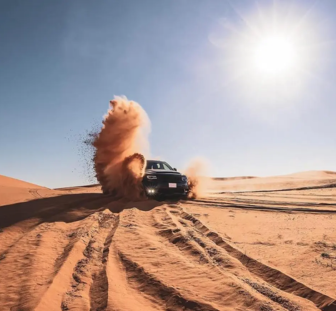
(198,180)
(120,149)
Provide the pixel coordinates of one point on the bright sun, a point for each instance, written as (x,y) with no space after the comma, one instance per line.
(268,53)
(275,55)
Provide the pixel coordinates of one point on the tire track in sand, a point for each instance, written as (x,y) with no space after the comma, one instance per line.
(235,204)
(161,259)
(270,275)
(193,244)
(89,287)
(99,288)
(170,296)
(160,251)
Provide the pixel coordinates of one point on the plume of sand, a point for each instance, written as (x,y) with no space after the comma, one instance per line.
(198,178)
(120,148)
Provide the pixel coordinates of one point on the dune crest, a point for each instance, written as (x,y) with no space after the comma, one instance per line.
(14,190)
(16,183)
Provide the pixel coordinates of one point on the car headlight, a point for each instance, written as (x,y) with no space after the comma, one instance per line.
(184,178)
(151,177)
(151,191)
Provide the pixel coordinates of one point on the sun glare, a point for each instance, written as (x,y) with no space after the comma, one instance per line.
(268,54)
(275,55)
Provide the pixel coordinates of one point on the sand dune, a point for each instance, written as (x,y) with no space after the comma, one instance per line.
(292,181)
(14,190)
(81,250)
(16,183)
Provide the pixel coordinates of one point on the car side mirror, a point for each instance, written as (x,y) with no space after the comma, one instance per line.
(174,169)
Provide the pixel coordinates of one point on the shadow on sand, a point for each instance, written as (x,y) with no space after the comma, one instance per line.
(67,208)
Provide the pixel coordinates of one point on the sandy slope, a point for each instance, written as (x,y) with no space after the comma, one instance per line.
(80,250)
(14,190)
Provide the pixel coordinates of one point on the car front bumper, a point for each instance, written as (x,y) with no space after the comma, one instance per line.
(162,188)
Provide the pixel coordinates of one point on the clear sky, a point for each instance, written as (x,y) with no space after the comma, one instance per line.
(189,63)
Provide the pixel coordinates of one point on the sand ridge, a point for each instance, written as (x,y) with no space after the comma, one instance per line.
(308,179)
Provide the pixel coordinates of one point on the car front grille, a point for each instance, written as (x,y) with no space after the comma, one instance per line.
(169,178)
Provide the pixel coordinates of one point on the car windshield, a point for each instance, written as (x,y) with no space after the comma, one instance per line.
(158,165)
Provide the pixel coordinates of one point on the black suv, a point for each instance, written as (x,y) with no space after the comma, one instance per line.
(161,180)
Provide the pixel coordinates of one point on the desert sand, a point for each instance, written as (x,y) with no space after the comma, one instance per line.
(248,244)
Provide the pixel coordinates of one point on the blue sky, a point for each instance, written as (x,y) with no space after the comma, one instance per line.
(184,61)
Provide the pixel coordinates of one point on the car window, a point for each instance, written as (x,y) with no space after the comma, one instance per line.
(153,165)
(166,167)
(158,166)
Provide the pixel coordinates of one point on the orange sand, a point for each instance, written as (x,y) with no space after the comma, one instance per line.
(76,249)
